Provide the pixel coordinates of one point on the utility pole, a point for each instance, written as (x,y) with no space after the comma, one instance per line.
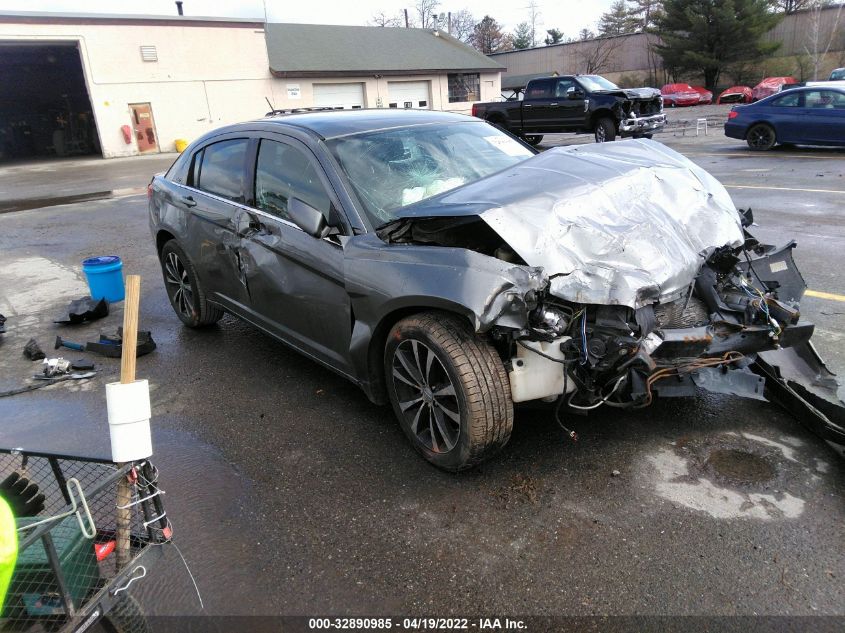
(449,23)
(406,17)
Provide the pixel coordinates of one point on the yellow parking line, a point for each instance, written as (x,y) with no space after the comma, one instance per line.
(825,295)
(784,189)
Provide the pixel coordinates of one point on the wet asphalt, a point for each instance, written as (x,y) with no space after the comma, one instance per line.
(292,494)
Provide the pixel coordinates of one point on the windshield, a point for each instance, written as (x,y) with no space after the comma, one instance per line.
(837,74)
(391,169)
(596,82)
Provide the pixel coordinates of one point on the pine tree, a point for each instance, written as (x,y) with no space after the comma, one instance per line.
(706,36)
(522,36)
(617,21)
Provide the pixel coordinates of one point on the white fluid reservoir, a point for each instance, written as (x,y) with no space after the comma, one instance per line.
(534,377)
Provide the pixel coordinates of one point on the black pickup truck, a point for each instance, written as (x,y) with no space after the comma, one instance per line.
(577,103)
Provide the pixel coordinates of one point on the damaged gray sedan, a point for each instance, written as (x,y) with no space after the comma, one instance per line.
(447,268)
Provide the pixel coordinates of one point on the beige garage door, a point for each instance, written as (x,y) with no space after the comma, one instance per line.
(409,94)
(347,95)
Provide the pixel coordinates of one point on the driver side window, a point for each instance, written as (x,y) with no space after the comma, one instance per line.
(562,86)
(284,172)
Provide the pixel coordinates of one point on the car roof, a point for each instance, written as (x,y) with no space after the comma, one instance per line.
(333,123)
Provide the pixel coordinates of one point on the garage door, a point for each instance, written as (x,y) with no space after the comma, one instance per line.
(349,95)
(408,94)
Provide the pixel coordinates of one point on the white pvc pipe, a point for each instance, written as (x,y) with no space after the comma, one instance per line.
(129,420)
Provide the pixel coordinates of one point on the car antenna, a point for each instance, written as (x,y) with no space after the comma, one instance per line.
(272,107)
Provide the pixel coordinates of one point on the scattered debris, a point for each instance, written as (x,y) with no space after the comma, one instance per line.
(84,309)
(43,381)
(61,342)
(32,350)
(615,473)
(55,367)
(82,364)
(112,345)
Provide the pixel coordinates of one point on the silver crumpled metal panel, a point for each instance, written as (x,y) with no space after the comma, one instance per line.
(629,222)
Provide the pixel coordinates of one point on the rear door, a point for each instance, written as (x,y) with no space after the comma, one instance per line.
(211,199)
(537,105)
(295,281)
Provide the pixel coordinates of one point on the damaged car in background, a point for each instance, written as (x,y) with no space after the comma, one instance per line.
(449,269)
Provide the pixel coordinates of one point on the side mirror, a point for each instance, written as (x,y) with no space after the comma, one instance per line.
(573,93)
(306,217)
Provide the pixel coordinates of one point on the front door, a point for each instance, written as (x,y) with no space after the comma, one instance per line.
(295,280)
(144,127)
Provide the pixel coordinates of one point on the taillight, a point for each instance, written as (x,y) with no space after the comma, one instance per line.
(474,109)
(733,114)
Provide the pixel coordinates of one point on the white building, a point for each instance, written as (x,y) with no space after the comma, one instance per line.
(123,85)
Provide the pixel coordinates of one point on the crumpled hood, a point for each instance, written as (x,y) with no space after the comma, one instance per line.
(641,93)
(629,222)
(635,94)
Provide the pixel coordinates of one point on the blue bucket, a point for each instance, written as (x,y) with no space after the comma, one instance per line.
(105,277)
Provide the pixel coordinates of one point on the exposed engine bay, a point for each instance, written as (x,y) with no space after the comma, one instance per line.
(652,284)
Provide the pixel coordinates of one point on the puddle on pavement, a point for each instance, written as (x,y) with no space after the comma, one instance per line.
(25,204)
(740,466)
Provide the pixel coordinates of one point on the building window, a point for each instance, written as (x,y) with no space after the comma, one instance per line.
(464,87)
(149,54)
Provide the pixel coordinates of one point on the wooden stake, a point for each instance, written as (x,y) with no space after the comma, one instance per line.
(129,350)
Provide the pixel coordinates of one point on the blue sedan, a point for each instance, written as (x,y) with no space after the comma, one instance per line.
(804,116)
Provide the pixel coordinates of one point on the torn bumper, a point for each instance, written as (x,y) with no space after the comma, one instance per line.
(642,125)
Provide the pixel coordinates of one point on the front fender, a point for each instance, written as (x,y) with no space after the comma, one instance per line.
(386,279)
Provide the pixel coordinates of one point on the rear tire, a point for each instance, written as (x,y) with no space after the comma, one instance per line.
(605,130)
(533,139)
(186,294)
(761,137)
(449,390)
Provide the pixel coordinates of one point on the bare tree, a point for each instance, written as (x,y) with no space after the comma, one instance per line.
(817,42)
(426,13)
(534,20)
(594,54)
(463,24)
(487,37)
(382,19)
(791,6)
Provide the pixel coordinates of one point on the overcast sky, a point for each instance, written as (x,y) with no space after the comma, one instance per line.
(567,15)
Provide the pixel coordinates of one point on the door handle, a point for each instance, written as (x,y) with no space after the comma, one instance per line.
(526,105)
(249,225)
(553,104)
(188,201)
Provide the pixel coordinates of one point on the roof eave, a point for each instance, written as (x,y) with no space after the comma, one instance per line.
(319,74)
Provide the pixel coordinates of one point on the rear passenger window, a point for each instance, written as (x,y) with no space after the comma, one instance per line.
(788,101)
(285,172)
(222,169)
(539,90)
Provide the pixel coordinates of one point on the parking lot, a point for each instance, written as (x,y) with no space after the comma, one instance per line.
(292,494)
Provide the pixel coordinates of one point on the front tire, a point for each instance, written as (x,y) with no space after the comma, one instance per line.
(449,390)
(186,294)
(605,130)
(761,137)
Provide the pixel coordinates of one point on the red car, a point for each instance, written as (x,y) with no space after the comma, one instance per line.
(769,86)
(679,95)
(705,97)
(735,94)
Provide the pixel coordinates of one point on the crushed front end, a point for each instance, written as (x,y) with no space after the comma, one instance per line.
(641,112)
